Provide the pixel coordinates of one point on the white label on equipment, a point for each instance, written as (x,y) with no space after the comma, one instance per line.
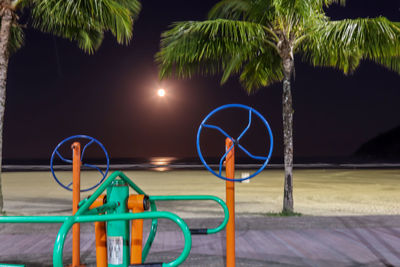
(115,250)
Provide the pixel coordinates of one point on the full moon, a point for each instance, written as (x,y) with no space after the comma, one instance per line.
(161,92)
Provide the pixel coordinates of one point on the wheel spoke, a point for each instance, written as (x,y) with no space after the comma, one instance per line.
(217,128)
(93,167)
(63,159)
(248,126)
(84,148)
(223,157)
(251,155)
(69,185)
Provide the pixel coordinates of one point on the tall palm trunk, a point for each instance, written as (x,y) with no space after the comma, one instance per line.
(6,20)
(287,114)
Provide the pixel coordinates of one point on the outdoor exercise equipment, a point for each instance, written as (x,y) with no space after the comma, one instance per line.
(77,162)
(229,159)
(111,213)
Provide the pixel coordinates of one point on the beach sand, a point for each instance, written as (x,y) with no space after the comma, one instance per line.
(316,192)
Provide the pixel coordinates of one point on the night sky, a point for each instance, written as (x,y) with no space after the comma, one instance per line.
(55,90)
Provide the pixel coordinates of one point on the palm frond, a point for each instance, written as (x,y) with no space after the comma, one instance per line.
(92,15)
(257,11)
(323,56)
(392,63)
(215,46)
(343,43)
(232,66)
(261,71)
(88,40)
(17,38)
(229,9)
(293,18)
(327,3)
(134,7)
(301,8)
(217,41)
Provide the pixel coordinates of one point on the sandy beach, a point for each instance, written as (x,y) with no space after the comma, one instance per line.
(316,192)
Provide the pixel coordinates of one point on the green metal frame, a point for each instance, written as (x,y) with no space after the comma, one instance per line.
(154,222)
(59,244)
(118,192)
(69,221)
(84,215)
(199,197)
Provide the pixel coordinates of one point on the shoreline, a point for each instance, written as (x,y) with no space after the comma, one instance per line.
(169,167)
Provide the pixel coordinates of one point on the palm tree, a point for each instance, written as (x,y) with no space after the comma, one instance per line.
(257,39)
(82,21)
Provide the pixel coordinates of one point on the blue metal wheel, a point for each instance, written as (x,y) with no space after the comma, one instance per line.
(91,141)
(236,142)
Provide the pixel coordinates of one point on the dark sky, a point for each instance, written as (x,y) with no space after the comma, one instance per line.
(55,90)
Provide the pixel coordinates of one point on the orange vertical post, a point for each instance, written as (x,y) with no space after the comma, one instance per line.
(76,191)
(135,203)
(100,235)
(230,202)
(101,244)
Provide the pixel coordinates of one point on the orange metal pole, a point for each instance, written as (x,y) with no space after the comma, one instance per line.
(230,202)
(76,191)
(101,236)
(101,244)
(135,203)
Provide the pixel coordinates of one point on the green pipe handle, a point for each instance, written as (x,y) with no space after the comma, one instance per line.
(199,197)
(155,264)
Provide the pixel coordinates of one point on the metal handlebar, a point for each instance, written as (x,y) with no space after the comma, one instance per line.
(60,240)
(199,197)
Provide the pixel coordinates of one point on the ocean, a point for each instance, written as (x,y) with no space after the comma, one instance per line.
(181,163)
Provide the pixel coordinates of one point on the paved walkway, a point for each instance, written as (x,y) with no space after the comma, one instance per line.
(261,241)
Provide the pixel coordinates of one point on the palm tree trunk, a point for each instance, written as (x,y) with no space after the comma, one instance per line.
(287,114)
(6,21)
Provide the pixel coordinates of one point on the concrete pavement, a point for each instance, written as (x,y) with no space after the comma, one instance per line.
(261,241)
